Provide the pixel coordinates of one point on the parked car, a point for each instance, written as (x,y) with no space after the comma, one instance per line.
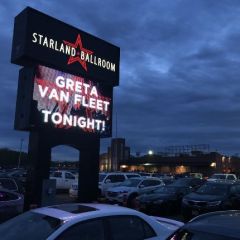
(64,179)
(212,196)
(11,204)
(126,192)
(106,180)
(222,225)
(163,200)
(222,177)
(87,221)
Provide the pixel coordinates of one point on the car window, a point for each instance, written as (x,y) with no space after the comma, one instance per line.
(116,178)
(148,183)
(88,230)
(129,228)
(132,175)
(196,181)
(8,184)
(57,174)
(69,176)
(230,177)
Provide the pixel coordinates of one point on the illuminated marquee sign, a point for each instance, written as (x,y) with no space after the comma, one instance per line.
(39,38)
(66,102)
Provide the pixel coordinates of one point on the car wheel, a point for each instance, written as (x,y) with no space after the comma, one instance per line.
(132,201)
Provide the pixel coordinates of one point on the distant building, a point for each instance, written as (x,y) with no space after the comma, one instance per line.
(118,153)
(206,163)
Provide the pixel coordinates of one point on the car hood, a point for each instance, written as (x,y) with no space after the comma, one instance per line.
(204,197)
(121,189)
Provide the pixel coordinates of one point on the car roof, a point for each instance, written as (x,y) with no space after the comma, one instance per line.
(79,210)
(224,223)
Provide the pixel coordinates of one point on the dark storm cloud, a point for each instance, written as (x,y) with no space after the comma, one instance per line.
(179,78)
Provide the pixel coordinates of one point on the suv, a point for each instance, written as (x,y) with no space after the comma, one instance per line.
(127,192)
(222,225)
(106,180)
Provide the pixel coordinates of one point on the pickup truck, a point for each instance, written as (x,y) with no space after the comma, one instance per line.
(64,179)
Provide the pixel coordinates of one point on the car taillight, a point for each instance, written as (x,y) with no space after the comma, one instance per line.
(2,196)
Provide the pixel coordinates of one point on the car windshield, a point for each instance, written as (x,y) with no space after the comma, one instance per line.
(29,225)
(166,189)
(182,182)
(213,189)
(132,182)
(101,177)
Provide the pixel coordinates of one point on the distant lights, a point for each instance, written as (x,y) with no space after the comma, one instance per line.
(147,164)
(124,166)
(213,164)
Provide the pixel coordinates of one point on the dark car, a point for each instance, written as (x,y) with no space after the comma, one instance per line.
(212,196)
(192,183)
(11,204)
(164,200)
(222,225)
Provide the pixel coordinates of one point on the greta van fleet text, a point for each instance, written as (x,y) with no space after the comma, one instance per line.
(84,94)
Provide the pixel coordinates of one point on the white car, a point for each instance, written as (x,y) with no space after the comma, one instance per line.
(127,192)
(64,179)
(106,180)
(87,222)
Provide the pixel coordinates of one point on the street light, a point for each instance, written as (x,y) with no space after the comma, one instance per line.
(150,152)
(20,153)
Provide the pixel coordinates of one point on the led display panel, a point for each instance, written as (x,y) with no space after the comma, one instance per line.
(67,102)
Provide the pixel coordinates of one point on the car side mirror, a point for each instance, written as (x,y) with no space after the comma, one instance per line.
(108,181)
(141,186)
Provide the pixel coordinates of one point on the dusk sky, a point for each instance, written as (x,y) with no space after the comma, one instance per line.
(179,69)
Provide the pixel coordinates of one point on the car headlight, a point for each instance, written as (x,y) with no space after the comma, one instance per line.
(215,203)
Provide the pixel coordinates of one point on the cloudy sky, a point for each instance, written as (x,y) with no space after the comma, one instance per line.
(179,71)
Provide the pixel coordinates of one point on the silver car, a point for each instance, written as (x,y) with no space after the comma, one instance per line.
(126,192)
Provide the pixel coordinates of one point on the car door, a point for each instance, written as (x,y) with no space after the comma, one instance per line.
(58,176)
(68,180)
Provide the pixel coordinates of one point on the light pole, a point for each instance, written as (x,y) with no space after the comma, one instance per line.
(20,153)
